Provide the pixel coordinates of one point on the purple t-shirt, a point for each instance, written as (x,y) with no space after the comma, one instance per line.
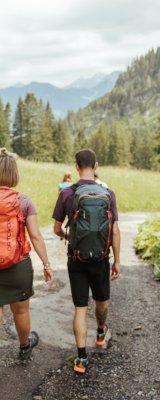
(63,206)
(27,206)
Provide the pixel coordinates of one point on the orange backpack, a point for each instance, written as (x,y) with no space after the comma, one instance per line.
(13,243)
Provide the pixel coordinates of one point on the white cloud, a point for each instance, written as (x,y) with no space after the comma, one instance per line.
(59,41)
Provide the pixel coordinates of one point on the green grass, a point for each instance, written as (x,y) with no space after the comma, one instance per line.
(148,244)
(135,190)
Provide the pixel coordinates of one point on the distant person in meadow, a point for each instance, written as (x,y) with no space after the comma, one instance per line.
(97,180)
(67,181)
(18,212)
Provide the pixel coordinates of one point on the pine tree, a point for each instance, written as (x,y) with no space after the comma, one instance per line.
(18,129)
(156,148)
(4,128)
(31,123)
(80,141)
(99,142)
(136,148)
(25,126)
(7,112)
(63,146)
(42,139)
(147,151)
(32,135)
(142,148)
(119,144)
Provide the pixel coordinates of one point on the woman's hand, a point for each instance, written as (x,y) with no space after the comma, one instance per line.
(49,276)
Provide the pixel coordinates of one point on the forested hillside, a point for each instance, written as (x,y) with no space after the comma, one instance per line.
(123,127)
(136,94)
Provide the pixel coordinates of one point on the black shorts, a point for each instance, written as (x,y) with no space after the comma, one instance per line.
(16,283)
(93,275)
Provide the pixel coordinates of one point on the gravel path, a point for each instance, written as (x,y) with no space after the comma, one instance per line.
(129,369)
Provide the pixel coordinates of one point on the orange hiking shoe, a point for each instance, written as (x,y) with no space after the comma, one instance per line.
(80,365)
(103,338)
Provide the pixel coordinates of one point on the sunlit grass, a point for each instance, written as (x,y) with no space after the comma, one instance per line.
(135,190)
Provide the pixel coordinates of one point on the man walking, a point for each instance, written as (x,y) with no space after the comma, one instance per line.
(85,203)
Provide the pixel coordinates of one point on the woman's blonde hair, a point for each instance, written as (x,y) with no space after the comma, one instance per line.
(8,169)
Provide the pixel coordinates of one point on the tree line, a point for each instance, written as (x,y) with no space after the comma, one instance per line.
(117,144)
(36,135)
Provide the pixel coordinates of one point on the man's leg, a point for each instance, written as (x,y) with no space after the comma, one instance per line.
(80,332)
(101,312)
(103,333)
(21,316)
(100,286)
(80,291)
(80,326)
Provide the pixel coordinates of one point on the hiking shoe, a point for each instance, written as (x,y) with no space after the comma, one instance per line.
(33,338)
(103,338)
(80,364)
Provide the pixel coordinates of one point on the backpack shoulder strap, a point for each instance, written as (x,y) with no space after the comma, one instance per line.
(74,186)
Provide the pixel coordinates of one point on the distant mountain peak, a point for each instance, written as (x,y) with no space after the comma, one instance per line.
(19,84)
(93,81)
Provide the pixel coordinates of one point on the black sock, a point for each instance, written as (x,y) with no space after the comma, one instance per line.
(100,330)
(82,352)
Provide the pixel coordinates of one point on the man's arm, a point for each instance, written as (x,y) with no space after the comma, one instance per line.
(59,230)
(59,215)
(116,250)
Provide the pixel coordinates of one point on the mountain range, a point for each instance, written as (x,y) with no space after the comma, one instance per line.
(72,97)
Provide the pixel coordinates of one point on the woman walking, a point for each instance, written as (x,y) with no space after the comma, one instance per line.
(18,212)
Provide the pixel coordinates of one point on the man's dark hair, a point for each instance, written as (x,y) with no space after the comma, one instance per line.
(85,158)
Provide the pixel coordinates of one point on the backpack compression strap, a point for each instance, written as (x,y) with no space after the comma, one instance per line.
(109,230)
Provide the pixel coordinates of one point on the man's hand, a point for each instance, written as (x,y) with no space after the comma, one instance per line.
(115,270)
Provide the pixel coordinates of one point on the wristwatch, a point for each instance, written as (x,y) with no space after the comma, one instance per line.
(46,266)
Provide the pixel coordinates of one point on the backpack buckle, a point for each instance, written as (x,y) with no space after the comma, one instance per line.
(76,215)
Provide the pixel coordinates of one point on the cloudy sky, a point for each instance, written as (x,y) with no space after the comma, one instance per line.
(58,41)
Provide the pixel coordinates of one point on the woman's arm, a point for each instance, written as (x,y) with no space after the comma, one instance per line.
(39,245)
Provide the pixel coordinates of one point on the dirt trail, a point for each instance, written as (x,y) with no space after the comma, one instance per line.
(130,369)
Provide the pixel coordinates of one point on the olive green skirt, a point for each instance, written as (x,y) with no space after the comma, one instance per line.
(16,283)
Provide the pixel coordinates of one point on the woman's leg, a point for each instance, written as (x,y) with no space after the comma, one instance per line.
(1,313)
(21,316)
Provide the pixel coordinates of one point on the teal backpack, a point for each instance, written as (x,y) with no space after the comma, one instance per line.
(91,223)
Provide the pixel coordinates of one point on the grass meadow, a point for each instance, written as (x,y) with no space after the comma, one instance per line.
(135,190)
